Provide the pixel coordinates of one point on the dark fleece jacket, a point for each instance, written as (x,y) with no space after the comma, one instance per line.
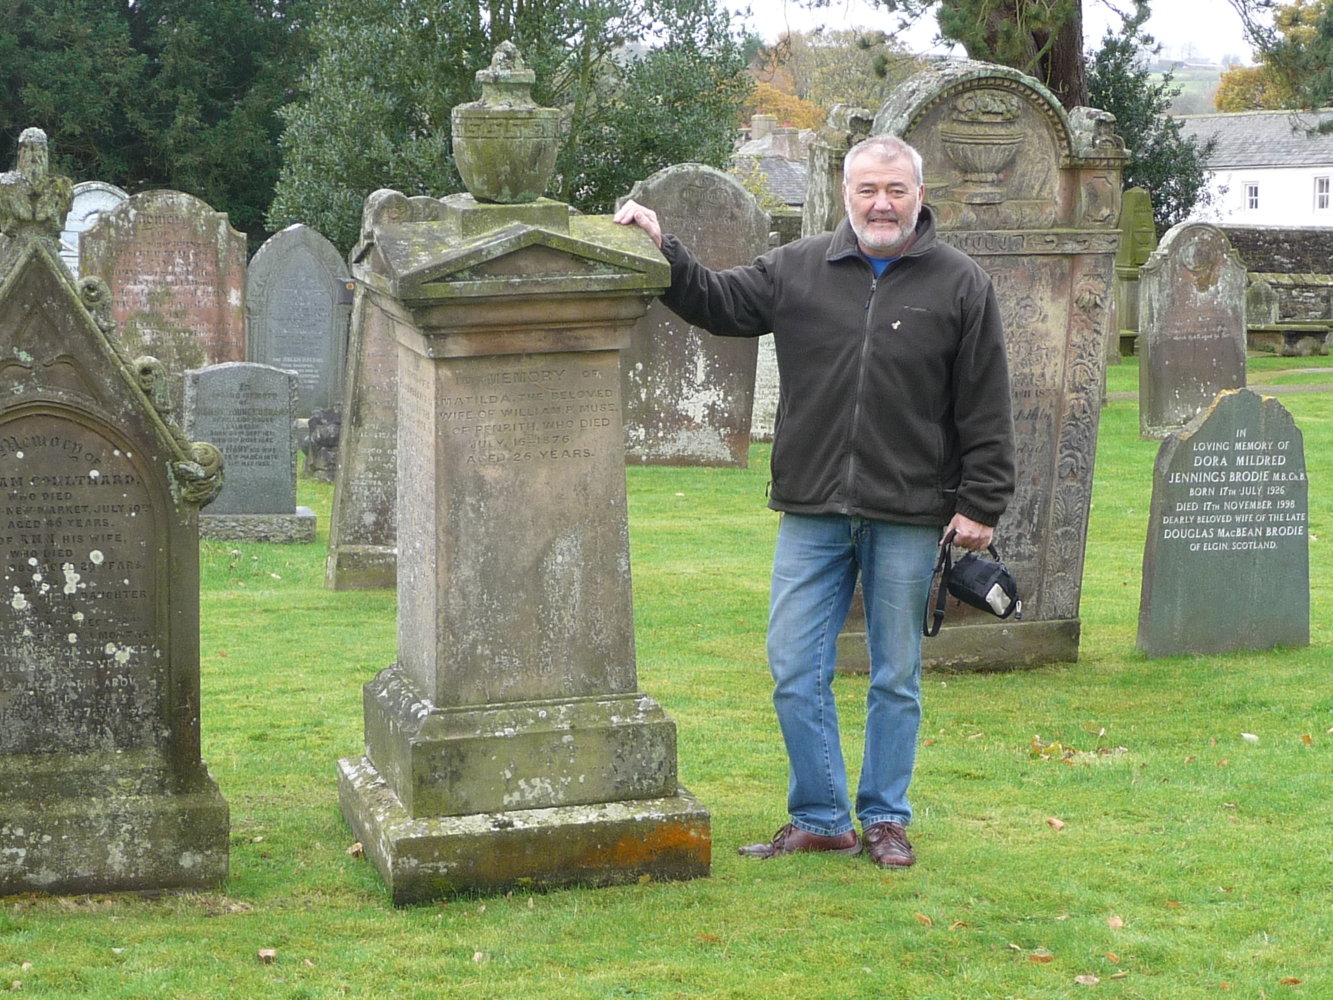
(894,390)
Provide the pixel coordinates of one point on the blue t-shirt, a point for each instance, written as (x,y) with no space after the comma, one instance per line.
(880,264)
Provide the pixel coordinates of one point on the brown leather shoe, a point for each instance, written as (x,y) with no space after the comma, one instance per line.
(887,845)
(791,840)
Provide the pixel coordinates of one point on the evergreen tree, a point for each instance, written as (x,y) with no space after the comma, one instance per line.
(643,84)
(1169,165)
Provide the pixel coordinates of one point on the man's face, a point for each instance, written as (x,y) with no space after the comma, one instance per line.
(883,202)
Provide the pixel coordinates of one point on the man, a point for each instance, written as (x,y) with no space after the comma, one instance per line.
(893,424)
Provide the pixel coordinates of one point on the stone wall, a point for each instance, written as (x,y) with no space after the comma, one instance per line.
(1297,263)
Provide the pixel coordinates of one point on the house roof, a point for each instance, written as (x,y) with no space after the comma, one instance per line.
(784,178)
(1263,138)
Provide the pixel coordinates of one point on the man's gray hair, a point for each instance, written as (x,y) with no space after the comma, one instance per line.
(884,147)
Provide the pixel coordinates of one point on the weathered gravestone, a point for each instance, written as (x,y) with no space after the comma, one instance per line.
(319,443)
(509,745)
(92,199)
(1138,239)
(823,208)
(246,411)
(688,395)
(1032,194)
(101,784)
(176,270)
(363,523)
(767,391)
(1226,566)
(298,303)
(1191,326)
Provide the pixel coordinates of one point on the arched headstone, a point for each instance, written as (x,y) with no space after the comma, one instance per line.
(298,303)
(688,395)
(1033,195)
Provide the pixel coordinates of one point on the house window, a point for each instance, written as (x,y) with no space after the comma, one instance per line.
(1321,194)
(1251,196)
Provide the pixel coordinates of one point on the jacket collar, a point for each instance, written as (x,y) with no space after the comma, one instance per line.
(843,244)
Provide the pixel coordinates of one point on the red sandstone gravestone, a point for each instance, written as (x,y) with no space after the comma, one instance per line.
(176,270)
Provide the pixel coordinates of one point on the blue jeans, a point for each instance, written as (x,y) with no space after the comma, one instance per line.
(815,568)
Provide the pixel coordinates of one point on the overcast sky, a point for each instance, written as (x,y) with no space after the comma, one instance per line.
(1204,29)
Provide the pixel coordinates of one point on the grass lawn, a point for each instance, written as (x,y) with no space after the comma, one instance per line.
(1154,853)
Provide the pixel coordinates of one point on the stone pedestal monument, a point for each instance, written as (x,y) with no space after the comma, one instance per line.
(1033,195)
(510,745)
(101,785)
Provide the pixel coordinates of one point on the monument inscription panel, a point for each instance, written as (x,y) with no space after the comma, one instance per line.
(78,620)
(1226,564)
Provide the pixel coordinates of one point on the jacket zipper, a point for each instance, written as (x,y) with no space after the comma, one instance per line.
(848,489)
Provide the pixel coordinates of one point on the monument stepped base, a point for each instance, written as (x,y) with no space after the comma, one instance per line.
(295,527)
(988,645)
(361,567)
(66,833)
(612,843)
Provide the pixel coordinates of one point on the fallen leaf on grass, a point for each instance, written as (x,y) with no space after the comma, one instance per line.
(1120,975)
(1115,922)
(480,957)
(356,850)
(1290,981)
(1087,980)
(1055,824)
(1041,955)
(957,925)
(1307,739)
(1113,958)
(267,956)
(1223,762)
(921,918)
(1173,904)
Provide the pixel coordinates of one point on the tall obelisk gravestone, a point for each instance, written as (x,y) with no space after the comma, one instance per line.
(101,784)
(510,745)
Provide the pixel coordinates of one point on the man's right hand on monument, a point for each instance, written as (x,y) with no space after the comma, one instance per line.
(633,214)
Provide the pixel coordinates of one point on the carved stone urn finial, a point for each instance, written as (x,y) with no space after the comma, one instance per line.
(504,144)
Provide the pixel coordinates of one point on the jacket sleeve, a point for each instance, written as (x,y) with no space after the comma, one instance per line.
(982,413)
(737,302)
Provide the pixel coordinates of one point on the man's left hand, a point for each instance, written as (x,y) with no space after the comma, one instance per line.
(969,534)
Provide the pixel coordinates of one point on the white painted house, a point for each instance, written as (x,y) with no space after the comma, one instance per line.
(1267,168)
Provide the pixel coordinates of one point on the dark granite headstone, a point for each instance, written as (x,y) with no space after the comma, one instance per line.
(688,395)
(101,784)
(1191,326)
(245,410)
(176,270)
(92,199)
(1227,562)
(298,303)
